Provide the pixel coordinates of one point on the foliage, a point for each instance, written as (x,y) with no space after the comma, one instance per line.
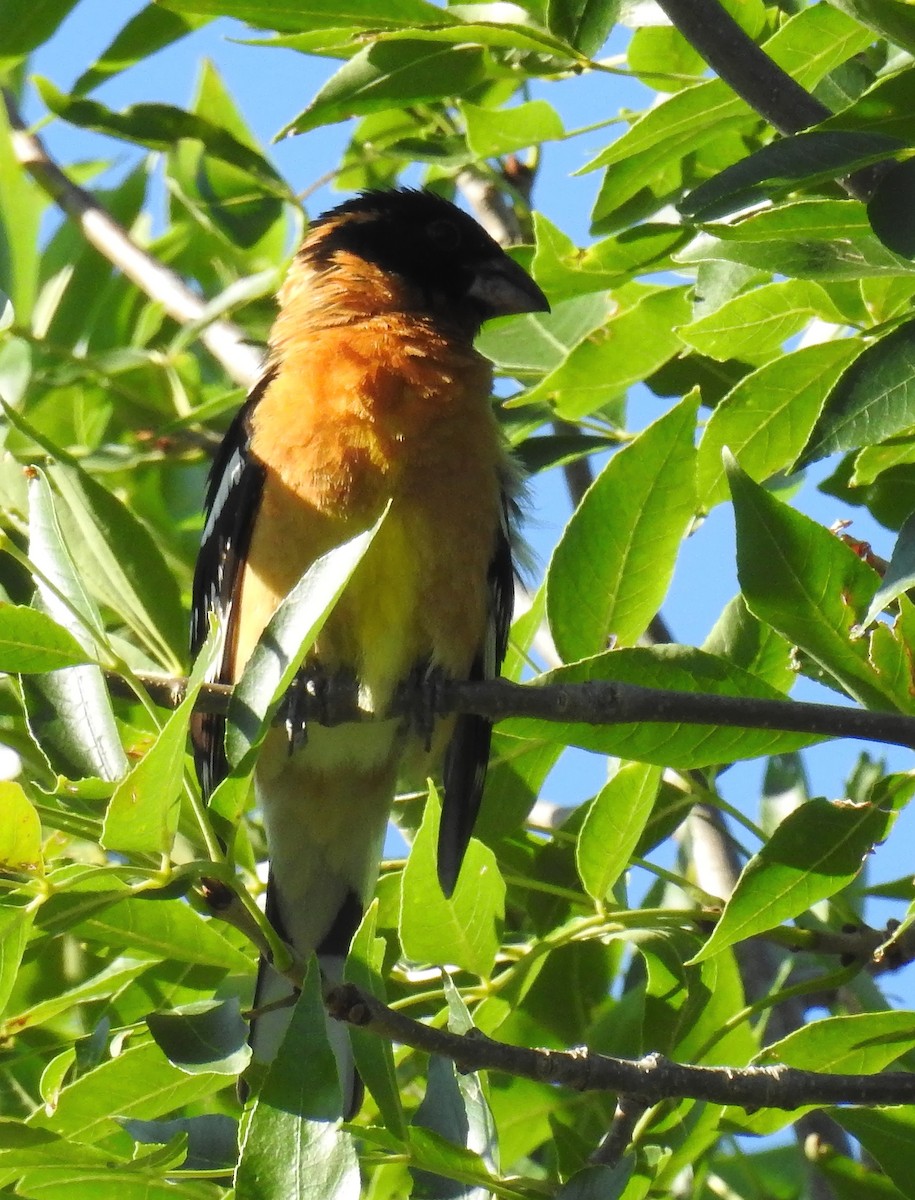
(781,331)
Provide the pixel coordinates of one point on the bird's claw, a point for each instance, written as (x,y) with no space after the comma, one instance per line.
(423,699)
(306,700)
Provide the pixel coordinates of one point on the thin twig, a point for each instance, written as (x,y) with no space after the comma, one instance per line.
(629,1111)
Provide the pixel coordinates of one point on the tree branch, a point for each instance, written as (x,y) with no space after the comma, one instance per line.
(592,703)
(647,1079)
(224,340)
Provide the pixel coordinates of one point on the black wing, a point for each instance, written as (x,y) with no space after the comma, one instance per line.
(232,501)
(467,756)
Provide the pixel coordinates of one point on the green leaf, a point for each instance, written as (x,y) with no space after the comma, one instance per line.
(494,132)
(21,214)
(436,1160)
(809,239)
(152,29)
(78,694)
(140,1083)
(389,72)
(537,342)
(208,1035)
(15,927)
(464,929)
(856,1044)
(874,460)
(585,24)
(295,15)
(287,638)
(816,851)
(886,1134)
(873,400)
(374,1055)
(31,641)
(780,167)
(900,574)
(102,986)
(20,831)
(807,584)
(611,568)
(166,929)
(754,325)
(683,746)
(159,127)
(630,346)
(142,815)
(651,154)
(291,1143)
(120,560)
(613,825)
(751,644)
(766,419)
(887,18)
(26,24)
(563,270)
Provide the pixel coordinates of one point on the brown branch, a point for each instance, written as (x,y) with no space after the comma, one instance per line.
(592,703)
(648,1079)
(224,340)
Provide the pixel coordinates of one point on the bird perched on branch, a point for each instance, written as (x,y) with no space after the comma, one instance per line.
(373,393)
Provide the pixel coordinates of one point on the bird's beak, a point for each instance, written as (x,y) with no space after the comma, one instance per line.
(501,288)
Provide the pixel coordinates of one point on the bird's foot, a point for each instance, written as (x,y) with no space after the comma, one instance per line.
(305,700)
(423,697)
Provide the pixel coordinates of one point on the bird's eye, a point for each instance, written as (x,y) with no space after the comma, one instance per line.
(444,235)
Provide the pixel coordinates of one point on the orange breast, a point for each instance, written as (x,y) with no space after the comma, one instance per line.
(353,421)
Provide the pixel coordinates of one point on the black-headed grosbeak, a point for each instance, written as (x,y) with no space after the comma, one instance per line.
(372,393)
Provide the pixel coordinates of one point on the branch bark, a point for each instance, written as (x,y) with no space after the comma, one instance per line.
(648,1079)
(592,703)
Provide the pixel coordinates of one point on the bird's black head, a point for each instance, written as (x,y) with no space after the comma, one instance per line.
(447,265)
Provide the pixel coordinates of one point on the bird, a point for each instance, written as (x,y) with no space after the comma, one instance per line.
(373,399)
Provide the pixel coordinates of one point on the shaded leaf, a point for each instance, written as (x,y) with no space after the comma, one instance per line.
(209,1035)
(900,574)
(287,638)
(780,167)
(291,1143)
(873,400)
(26,24)
(808,585)
(158,126)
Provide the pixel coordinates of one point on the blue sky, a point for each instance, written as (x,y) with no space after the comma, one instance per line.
(272,85)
